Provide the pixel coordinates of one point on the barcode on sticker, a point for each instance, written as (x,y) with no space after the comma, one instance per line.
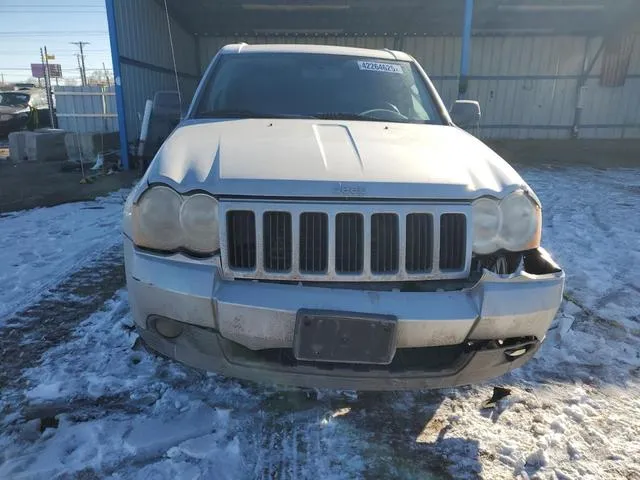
(379,67)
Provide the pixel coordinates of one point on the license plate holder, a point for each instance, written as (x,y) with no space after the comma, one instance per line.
(344,337)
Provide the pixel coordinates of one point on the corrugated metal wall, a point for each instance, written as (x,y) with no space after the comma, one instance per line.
(146,60)
(617,107)
(86,109)
(527,86)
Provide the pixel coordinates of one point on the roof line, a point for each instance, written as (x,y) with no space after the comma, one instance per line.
(388,50)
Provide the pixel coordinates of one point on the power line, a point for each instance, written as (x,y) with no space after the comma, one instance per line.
(25,69)
(57,54)
(27,8)
(55,5)
(50,12)
(56,51)
(52,33)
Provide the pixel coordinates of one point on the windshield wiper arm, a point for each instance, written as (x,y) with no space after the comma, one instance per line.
(358,116)
(230,113)
(341,116)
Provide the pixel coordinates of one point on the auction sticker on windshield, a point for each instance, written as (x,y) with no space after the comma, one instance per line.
(379,67)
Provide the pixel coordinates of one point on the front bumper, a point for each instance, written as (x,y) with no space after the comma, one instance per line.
(244,329)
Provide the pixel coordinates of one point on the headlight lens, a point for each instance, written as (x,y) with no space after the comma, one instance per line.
(199,219)
(520,218)
(512,224)
(164,220)
(157,219)
(486,225)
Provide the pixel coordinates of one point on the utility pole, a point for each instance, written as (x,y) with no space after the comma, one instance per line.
(106,75)
(80,69)
(47,85)
(83,70)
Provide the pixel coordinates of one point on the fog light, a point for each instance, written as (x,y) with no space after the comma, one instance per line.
(166,327)
(513,354)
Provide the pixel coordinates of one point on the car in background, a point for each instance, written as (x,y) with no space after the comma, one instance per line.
(22,109)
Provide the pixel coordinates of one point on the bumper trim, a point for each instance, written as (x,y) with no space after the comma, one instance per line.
(206,349)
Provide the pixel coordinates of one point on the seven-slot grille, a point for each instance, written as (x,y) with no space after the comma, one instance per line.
(331,242)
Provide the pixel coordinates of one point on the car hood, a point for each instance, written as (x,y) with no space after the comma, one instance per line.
(324,159)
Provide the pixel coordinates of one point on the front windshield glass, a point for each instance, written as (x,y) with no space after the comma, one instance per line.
(10,99)
(294,85)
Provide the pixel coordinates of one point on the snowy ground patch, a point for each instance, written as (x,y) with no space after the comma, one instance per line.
(40,247)
(116,411)
(127,413)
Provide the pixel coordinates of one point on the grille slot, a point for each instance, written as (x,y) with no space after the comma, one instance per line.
(384,243)
(241,231)
(453,236)
(314,245)
(276,234)
(349,243)
(419,257)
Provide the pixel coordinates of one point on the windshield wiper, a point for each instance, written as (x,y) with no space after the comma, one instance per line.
(356,116)
(342,116)
(230,113)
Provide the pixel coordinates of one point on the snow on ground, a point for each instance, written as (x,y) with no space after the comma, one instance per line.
(40,247)
(573,412)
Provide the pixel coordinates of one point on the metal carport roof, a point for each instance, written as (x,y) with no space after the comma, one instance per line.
(431,17)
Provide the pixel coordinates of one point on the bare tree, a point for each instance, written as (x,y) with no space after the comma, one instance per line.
(100,77)
(71,82)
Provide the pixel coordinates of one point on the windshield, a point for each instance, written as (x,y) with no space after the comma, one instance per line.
(10,99)
(291,85)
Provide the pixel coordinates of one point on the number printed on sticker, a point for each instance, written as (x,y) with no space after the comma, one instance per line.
(379,67)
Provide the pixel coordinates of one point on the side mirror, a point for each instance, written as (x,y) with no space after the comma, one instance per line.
(465,113)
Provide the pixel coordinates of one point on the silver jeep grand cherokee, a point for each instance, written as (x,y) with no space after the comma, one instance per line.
(318,220)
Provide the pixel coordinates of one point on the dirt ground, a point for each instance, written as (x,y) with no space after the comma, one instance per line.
(28,185)
(588,153)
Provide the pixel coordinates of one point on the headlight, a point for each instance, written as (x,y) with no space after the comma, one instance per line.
(513,224)
(199,219)
(486,225)
(157,219)
(520,222)
(5,118)
(164,220)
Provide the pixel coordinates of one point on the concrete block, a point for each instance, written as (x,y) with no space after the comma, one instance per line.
(18,146)
(72,144)
(46,145)
(88,145)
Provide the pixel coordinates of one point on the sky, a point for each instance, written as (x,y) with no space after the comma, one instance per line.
(28,25)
